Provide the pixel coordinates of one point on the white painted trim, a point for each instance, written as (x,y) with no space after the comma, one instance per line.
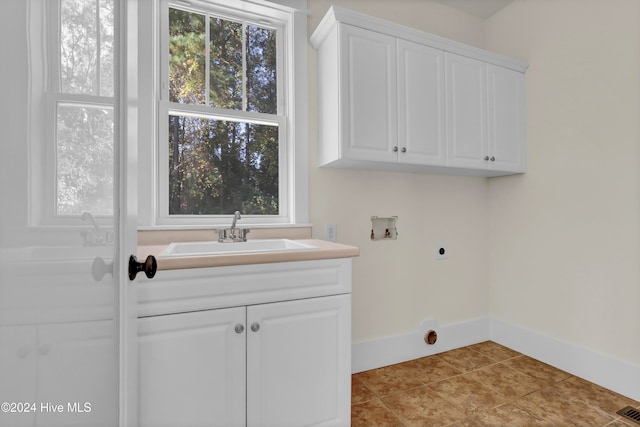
(390,350)
(602,369)
(607,371)
(152,205)
(357,19)
(126,109)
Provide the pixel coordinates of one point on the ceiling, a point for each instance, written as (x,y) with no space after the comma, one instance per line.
(480,8)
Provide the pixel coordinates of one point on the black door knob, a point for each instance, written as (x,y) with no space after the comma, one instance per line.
(149,266)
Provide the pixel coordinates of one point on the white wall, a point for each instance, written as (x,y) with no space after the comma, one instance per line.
(564,238)
(425,15)
(397,284)
(555,251)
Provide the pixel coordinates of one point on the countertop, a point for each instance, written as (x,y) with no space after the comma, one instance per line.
(325,250)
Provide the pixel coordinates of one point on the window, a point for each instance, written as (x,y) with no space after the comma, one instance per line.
(71,65)
(224,151)
(81,99)
(227,130)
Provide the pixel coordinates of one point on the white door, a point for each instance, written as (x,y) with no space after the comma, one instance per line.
(299,363)
(421,131)
(67,224)
(466,112)
(505,95)
(369,95)
(205,383)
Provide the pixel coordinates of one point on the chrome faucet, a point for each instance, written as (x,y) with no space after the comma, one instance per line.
(236,217)
(98,236)
(89,216)
(234,234)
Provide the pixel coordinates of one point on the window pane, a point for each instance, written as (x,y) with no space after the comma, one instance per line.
(84,160)
(86,47)
(226,64)
(217,167)
(186,57)
(106,47)
(261,70)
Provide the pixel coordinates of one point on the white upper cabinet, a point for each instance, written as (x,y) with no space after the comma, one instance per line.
(369,67)
(466,112)
(505,117)
(391,97)
(421,131)
(485,111)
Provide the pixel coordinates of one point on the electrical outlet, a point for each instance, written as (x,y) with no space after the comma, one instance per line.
(442,252)
(331,232)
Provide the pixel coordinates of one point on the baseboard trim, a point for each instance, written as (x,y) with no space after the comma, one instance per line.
(604,370)
(372,354)
(607,371)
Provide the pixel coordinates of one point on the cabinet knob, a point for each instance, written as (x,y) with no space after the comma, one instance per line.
(395,149)
(255,326)
(239,328)
(404,149)
(486,158)
(493,159)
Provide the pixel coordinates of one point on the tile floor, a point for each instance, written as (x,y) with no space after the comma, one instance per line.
(481,385)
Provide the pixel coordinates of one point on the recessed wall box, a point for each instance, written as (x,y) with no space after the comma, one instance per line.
(384,228)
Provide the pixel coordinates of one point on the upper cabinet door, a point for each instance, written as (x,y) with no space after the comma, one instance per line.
(369,105)
(466,111)
(506,106)
(421,131)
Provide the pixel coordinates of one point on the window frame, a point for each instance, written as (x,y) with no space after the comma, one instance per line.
(291,118)
(46,96)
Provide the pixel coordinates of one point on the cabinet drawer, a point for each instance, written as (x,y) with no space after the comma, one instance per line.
(178,291)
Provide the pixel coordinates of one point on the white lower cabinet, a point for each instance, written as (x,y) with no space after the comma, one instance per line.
(297,372)
(19,355)
(191,369)
(277,364)
(66,374)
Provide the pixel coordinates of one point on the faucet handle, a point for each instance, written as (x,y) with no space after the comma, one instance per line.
(242,233)
(239,235)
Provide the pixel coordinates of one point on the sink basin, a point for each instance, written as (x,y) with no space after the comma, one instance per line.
(217,248)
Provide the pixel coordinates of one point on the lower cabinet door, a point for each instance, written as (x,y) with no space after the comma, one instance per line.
(18,373)
(299,363)
(59,374)
(77,368)
(192,369)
